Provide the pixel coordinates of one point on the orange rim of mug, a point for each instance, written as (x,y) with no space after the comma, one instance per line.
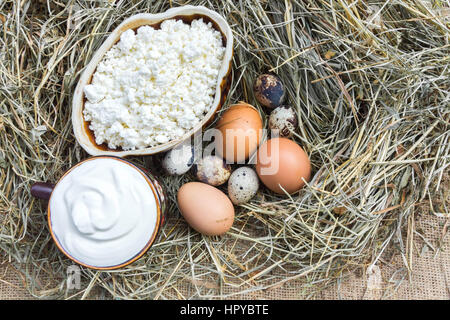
(152,238)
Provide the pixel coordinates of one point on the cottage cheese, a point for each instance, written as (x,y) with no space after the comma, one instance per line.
(154,85)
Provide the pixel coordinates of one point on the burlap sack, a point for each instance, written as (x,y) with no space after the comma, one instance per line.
(427,277)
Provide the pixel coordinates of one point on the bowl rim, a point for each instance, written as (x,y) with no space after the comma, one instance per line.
(153,236)
(78,122)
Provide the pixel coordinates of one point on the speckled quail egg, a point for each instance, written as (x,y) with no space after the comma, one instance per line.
(212,170)
(269,90)
(242,185)
(284,120)
(179,160)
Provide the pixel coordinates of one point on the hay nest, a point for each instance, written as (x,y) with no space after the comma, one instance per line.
(370,83)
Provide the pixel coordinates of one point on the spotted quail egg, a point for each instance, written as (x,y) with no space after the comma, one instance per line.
(212,170)
(242,185)
(179,160)
(284,119)
(269,90)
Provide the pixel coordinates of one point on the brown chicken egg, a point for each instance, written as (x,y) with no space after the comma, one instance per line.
(282,164)
(205,208)
(240,130)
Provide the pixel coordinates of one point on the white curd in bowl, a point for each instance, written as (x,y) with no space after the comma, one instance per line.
(103,212)
(154,85)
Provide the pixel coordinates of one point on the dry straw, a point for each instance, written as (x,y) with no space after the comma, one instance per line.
(369,80)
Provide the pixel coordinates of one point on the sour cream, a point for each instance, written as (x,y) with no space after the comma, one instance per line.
(103,212)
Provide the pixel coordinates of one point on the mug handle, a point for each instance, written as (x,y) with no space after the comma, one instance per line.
(42,190)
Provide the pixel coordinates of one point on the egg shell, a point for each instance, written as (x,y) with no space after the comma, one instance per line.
(269,90)
(240,132)
(282,162)
(242,185)
(205,208)
(212,170)
(179,160)
(284,119)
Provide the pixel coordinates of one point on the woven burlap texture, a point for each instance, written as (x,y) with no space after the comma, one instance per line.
(390,278)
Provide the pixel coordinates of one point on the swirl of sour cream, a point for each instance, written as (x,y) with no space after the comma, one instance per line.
(103,212)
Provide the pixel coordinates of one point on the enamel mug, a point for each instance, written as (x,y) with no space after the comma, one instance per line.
(105,212)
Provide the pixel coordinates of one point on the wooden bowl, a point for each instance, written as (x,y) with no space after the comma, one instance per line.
(85,136)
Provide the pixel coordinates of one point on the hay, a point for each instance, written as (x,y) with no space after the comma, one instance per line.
(369,80)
